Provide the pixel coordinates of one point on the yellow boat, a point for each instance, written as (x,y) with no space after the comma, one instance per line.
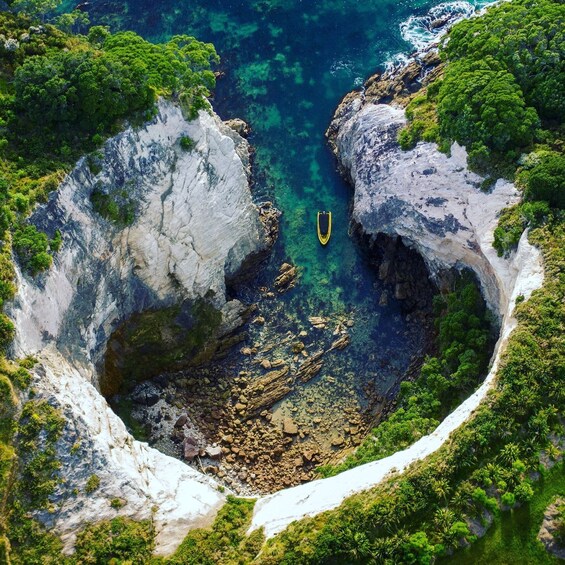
(324,227)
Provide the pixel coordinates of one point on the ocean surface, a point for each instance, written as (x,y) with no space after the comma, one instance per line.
(286,65)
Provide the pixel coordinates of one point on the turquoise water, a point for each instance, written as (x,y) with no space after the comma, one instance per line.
(286,65)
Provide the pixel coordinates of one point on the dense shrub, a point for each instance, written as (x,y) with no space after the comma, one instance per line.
(480,105)
(546,180)
(117,541)
(31,247)
(464,339)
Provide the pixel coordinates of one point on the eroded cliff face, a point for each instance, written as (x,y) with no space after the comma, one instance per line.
(194,224)
(428,198)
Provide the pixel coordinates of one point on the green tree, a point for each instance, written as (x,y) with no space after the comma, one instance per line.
(36,8)
(546,180)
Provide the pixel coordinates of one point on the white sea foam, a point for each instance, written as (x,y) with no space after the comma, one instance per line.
(421,31)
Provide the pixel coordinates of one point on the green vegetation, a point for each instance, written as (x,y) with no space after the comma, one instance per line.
(117,206)
(31,247)
(39,427)
(465,341)
(502,89)
(423,120)
(187,143)
(117,503)
(512,538)
(543,178)
(225,542)
(92,484)
(118,541)
(61,95)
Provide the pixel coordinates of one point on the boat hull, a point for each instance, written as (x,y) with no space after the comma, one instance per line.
(324,225)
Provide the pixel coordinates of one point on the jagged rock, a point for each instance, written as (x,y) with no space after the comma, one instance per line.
(239,126)
(214,452)
(318,322)
(308,455)
(393,196)
(337,441)
(341,342)
(269,217)
(287,277)
(289,427)
(298,347)
(190,448)
(264,391)
(147,394)
(311,367)
(266,364)
(182,419)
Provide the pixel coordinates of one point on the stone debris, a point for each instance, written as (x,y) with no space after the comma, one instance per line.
(190,448)
(182,419)
(318,322)
(290,427)
(264,391)
(239,126)
(287,278)
(311,367)
(214,452)
(341,342)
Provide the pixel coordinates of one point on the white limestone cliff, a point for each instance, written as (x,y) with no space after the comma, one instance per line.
(195,224)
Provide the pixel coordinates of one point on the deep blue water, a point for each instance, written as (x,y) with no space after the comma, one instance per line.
(287,64)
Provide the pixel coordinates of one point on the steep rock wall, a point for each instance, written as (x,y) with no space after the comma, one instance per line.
(194,224)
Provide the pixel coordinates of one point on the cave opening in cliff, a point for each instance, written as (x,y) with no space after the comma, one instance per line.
(289,388)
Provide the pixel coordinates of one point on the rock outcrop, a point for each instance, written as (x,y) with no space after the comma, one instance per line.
(191,224)
(549,533)
(429,199)
(194,224)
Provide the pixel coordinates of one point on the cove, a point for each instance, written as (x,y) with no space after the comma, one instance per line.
(286,65)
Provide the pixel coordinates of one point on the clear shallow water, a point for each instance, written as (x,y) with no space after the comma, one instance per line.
(287,64)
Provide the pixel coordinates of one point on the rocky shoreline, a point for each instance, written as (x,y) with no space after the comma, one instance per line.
(251,420)
(433,205)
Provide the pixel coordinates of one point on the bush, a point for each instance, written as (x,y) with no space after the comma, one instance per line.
(225,542)
(482,107)
(31,248)
(546,180)
(92,484)
(508,499)
(118,541)
(508,232)
(7,331)
(187,143)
